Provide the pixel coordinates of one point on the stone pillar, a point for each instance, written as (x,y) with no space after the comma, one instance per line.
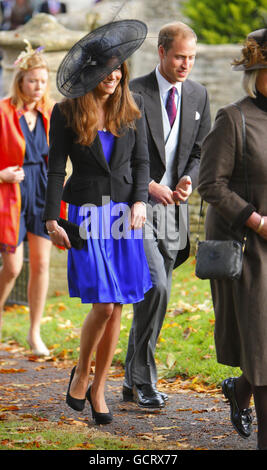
(42,30)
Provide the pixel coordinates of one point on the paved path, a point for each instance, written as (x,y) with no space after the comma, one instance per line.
(190,421)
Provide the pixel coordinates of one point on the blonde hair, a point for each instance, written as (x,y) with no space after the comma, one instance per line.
(121,112)
(18,99)
(249,82)
(171,30)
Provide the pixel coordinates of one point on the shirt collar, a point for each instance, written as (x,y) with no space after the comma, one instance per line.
(21,111)
(164,85)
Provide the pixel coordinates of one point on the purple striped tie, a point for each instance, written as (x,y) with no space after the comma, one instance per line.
(171,106)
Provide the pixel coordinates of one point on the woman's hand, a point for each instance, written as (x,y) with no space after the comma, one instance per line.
(57,234)
(12,174)
(263,230)
(138,215)
(258,223)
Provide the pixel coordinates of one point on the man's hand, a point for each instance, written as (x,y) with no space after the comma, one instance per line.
(161,193)
(183,189)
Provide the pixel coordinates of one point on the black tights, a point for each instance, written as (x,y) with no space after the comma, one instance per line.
(244,391)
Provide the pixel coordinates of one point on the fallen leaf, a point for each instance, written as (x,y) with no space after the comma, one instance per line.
(164,428)
(11,371)
(9,408)
(170,360)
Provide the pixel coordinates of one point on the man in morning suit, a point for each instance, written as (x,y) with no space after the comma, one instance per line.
(177,120)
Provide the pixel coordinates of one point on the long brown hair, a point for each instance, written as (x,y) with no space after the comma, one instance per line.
(121,112)
(18,99)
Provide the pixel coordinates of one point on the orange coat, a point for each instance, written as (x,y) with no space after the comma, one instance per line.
(12,152)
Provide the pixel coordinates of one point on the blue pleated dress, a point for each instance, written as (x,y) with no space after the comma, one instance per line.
(112,266)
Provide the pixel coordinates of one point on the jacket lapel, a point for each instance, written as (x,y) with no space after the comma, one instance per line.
(98,154)
(154,114)
(118,151)
(188,109)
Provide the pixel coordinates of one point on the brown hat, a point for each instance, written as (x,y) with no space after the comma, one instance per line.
(254,52)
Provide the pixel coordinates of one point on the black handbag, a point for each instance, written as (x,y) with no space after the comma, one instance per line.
(73,232)
(219,259)
(222,259)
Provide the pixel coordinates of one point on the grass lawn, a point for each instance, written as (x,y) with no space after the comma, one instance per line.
(185,346)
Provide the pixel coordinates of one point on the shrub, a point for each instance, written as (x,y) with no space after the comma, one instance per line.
(228,21)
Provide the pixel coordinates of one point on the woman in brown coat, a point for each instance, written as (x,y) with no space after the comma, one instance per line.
(241,306)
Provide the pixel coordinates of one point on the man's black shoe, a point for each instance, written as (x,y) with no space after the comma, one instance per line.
(164,396)
(146,397)
(127,393)
(241,418)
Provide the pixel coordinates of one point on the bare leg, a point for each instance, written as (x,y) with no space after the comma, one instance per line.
(39,256)
(92,331)
(104,355)
(11,267)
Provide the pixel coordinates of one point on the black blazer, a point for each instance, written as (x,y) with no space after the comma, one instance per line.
(124,179)
(195,124)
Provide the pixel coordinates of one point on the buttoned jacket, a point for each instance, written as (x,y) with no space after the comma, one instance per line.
(194,126)
(123,179)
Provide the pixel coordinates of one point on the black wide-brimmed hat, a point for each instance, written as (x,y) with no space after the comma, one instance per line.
(254,52)
(97,54)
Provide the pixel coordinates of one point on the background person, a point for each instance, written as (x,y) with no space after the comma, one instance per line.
(101,128)
(53,7)
(178,118)
(21,13)
(5,12)
(240,305)
(24,128)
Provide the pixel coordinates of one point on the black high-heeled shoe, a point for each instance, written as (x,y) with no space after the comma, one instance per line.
(76,404)
(99,418)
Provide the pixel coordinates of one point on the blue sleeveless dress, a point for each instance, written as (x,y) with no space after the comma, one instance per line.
(112,266)
(33,187)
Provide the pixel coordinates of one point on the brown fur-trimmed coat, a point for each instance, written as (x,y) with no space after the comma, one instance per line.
(240,306)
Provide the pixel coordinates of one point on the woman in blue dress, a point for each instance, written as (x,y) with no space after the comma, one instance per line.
(100,127)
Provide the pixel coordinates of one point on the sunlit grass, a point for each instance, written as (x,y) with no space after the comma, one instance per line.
(29,433)
(185,346)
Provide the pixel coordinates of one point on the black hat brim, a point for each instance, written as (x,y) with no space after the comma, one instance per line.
(97,55)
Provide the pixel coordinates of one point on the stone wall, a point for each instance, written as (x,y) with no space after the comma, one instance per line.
(42,30)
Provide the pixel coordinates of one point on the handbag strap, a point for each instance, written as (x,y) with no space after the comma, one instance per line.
(244,160)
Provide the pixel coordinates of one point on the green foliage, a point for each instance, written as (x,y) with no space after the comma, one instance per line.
(228,21)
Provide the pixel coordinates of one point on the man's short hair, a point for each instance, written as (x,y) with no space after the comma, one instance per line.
(171,30)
